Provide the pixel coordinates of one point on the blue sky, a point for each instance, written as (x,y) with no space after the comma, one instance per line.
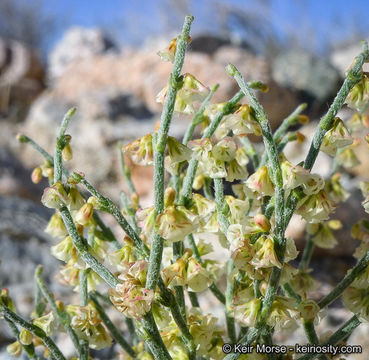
(312,22)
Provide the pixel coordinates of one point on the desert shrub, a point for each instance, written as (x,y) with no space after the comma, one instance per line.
(153,276)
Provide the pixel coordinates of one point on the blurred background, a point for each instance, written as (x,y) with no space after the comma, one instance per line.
(101,57)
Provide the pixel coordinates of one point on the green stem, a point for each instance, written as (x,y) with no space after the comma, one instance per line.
(177,253)
(126,172)
(251,151)
(106,231)
(60,144)
(352,78)
(271,150)
(307,253)
(227,109)
(312,336)
(115,333)
(35,330)
(29,349)
(62,316)
(342,333)
(213,288)
(83,284)
(153,339)
(224,224)
(108,206)
(289,121)
(159,149)
(251,336)
(198,117)
(82,248)
(39,303)
(351,275)
(193,298)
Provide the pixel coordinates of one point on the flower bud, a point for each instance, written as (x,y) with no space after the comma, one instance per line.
(36,176)
(47,323)
(55,197)
(141,150)
(56,227)
(197,277)
(358,96)
(169,196)
(262,222)
(246,314)
(75,198)
(191,92)
(25,337)
(308,309)
(14,349)
(260,182)
(22,138)
(337,137)
(169,52)
(132,299)
(67,152)
(84,214)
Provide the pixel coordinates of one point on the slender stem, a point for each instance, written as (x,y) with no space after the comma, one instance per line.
(159,149)
(115,333)
(106,231)
(193,298)
(271,150)
(249,338)
(224,224)
(131,212)
(251,151)
(291,136)
(108,206)
(352,78)
(83,284)
(153,339)
(307,253)
(287,288)
(126,172)
(213,288)
(60,144)
(62,316)
(82,248)
(35,330)
(177,253)
(198,117)
(39,303)
(312,336)
(342,333)
(227,109)
(29,349)
(289,121)
(346,281)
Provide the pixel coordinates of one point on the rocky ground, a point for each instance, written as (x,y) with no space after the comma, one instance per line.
(114,91)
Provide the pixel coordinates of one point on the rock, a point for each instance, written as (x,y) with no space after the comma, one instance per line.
(150,74)
(302,71)
(21,79)
(77,43)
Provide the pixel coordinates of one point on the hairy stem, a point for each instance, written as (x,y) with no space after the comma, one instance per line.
(35,330)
